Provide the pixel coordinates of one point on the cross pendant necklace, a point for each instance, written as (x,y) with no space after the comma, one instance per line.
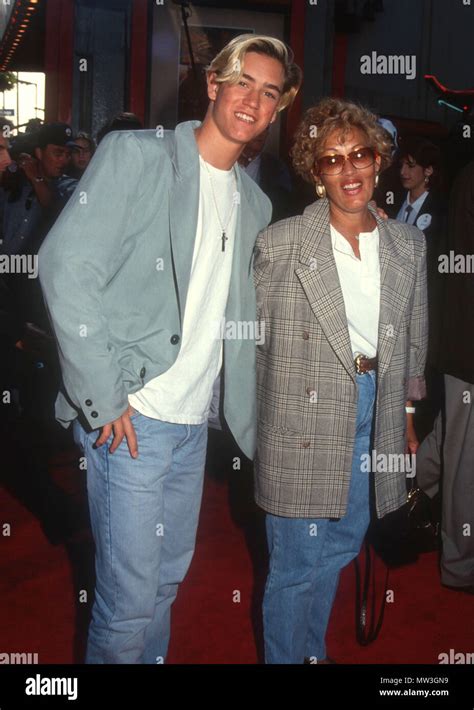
(224,237)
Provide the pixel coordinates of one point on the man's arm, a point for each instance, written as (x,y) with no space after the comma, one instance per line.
(79,256)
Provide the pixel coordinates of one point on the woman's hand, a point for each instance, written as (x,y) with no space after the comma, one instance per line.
(412,440)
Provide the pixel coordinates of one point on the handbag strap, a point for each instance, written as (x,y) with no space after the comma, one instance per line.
(367,628)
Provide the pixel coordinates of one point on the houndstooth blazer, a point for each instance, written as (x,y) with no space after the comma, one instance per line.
(306,389)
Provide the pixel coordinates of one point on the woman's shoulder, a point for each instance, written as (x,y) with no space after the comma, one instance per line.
(286,231)
(291,229)
(407,233)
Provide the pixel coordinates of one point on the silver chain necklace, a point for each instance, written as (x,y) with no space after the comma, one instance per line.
(223,227)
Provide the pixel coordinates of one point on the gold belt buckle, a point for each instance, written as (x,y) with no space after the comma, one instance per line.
(357,360)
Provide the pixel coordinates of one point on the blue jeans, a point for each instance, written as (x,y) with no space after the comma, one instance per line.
(144,515)
(308,554)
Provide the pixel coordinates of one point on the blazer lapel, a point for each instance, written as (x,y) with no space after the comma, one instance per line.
(184,207)
(234,297)
(320,281)
(250,221)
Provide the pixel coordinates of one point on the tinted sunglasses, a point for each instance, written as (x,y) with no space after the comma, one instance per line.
(334,164)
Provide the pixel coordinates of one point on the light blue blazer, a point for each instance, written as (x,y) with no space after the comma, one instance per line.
(115,273)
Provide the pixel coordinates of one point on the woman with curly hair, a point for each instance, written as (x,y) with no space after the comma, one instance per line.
(342,295)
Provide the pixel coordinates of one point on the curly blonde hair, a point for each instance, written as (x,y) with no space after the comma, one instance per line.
(331,114)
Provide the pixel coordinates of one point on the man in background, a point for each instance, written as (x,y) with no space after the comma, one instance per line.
(271,175)
(445,459)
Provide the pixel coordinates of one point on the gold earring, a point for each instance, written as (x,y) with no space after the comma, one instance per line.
(376,179)
(320,189)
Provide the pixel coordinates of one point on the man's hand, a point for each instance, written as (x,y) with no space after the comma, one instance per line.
(121,427)
(34,172)
(30,166)
(380,211)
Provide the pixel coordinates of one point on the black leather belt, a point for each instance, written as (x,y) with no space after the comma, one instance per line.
(365,364)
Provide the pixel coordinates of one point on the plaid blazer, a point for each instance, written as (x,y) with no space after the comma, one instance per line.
(305,443)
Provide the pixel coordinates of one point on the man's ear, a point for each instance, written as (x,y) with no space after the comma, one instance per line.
(274,117)
(212,86)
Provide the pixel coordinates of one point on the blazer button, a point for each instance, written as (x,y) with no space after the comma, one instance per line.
(94,414)
(88,403)
(305,444)
(174,340)
(142,372)
(305,335)
(310,391)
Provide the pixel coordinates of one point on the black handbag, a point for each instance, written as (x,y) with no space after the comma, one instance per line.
(399,537)
(396,539)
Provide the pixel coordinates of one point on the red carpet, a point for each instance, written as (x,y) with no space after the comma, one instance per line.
(216,618)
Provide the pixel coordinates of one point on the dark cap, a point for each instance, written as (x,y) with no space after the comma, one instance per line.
(55,134)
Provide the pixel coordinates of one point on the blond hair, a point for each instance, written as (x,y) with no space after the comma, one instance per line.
(329,115)
(228,64)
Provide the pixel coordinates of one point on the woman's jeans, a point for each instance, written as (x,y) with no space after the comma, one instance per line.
(307,555)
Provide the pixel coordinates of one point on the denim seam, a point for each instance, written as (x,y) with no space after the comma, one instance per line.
(191,430)
(186,438)
(275,541)
(109,535)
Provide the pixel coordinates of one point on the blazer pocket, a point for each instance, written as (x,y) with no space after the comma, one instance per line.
(273,429)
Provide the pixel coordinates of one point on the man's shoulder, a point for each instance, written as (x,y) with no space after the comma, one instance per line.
(156,136)
(158,143)
(148,139)
(66,184)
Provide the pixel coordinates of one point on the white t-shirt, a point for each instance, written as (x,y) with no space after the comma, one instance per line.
(360,284)
(182,394)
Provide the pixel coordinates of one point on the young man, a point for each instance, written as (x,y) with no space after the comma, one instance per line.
(153,252)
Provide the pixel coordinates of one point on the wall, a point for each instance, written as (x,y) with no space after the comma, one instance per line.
(102,38)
